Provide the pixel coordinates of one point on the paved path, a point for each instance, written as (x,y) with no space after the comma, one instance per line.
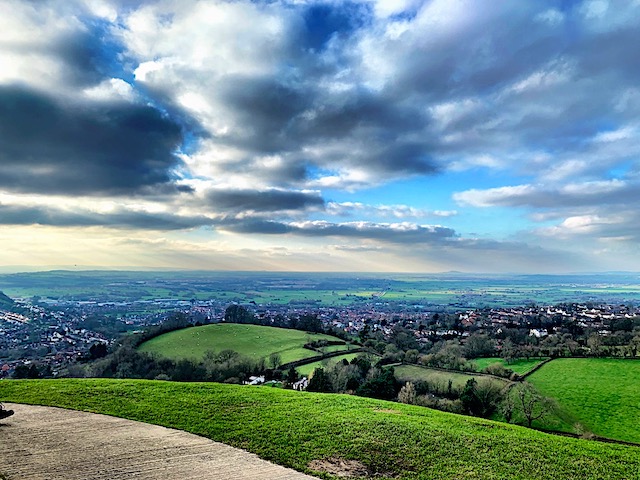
(44,443)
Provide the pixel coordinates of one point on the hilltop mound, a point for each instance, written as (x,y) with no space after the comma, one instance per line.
(255,341)
(313,432)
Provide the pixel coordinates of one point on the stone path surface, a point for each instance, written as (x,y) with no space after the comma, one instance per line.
(44,443)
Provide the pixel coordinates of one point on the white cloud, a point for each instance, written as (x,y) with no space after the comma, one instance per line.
(552,16)
(114,89)
(395,211)
(492,196)
(595,8)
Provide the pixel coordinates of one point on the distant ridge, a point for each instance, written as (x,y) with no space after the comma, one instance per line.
(5,302)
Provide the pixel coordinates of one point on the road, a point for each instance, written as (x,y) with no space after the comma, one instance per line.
(44,443)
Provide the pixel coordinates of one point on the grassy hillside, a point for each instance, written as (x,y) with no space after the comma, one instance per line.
(601,394)
(252,340)
(295,428)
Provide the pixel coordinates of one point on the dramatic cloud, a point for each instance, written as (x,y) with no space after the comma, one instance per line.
(299,123)
(387,232)
(119,218)
(596,193)
(347,209)
(248,201)
(119,148)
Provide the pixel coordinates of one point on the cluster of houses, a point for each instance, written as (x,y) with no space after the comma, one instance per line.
(54,333)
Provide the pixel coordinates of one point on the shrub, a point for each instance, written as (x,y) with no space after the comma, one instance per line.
(499,370)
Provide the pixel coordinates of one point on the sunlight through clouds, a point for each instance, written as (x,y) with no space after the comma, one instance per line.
(330,129)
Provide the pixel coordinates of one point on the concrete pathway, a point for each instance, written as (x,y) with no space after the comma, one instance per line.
(44,443)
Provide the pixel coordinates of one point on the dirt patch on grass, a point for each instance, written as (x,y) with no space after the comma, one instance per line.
(340,467)
(388,410)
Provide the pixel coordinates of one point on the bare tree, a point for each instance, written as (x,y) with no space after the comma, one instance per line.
(508,351)
(507,406)
(534,405)
(594,342)
(407,394)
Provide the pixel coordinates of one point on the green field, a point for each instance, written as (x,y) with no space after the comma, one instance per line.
(293,428)
(308,369)
(520,366)
(601,394)
(413,373)
(314,289)
(255,341)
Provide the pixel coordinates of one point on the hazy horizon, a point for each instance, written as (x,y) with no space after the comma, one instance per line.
(123,268)
(418,136)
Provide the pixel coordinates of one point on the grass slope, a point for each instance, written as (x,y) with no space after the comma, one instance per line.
(252,340)
(601,394)
(294,428)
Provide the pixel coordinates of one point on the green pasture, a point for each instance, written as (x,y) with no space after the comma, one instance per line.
(320,289)
(255,341)
(337,348)
(307,369)
(603,395)
(520,365)
(394,441)
(555,420)
(414,373)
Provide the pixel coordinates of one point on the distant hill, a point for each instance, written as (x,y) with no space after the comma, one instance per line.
(5,302)
(252,340)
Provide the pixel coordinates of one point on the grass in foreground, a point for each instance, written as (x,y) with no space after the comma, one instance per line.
(600,393)
(254,341)
(294,428)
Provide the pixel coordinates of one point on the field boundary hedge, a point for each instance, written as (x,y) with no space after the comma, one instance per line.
(318,358)
(470,373)
(536,368)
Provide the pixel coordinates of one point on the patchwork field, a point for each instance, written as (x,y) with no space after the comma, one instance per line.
(600,394)
(255,341)
(520,366)
(454,290)
(327,363)
(412,373)
(295,428)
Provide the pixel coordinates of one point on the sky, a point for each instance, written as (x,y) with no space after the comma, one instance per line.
(376,135)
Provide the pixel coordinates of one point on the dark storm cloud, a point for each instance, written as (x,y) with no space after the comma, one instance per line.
(50,216)
(263,201)
(77,149)
(276,117)
(391,233)
(89,55)
(258,226)
(264,109)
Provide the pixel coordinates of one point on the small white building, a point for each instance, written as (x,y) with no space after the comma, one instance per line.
(301,384)
(255,380)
